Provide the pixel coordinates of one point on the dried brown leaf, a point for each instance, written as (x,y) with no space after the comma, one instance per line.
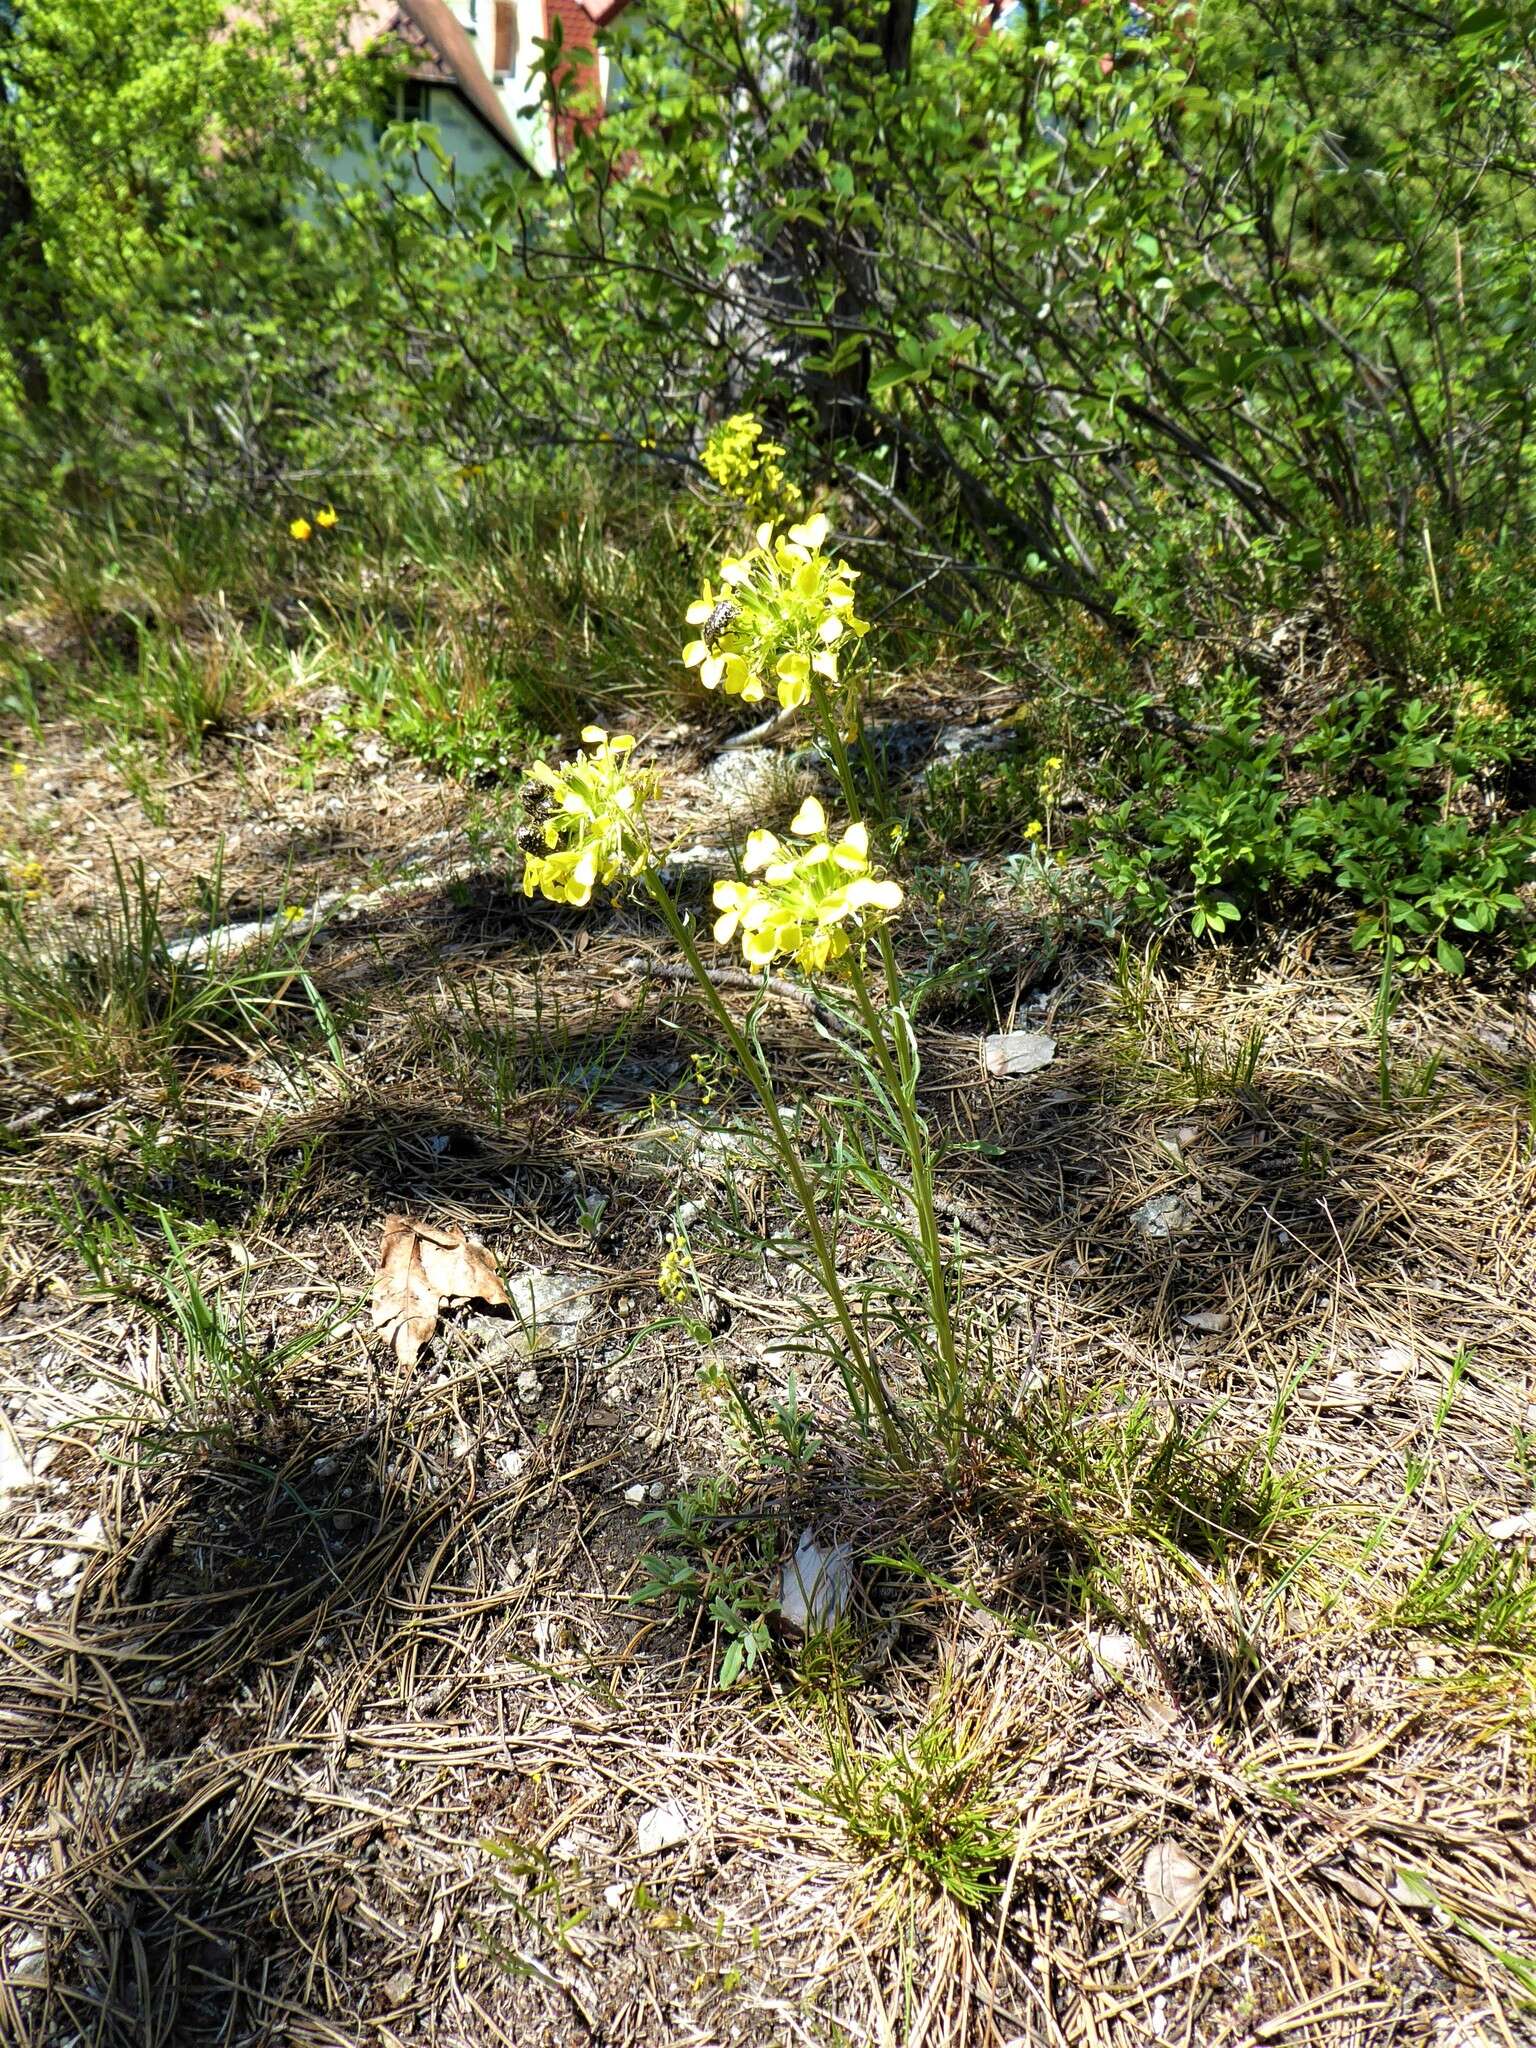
(422,1265)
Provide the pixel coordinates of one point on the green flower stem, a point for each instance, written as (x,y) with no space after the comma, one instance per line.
(865,1372)
(898,1069)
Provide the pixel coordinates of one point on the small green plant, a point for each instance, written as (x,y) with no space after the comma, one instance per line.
(1104,1472)
(92,1005)
(216,1371)
(1468,1591)
(215,1374)
(931,1814)
(696,1574)
(192,691)
(1214,828)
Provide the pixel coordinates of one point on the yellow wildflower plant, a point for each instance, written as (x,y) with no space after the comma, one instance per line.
(585,825)
(326,516)
(785,612)
(300,528)
(805,902)
(745,465)
(674,1276)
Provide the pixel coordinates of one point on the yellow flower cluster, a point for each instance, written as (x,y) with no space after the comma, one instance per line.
(588,817)
(746,466)
(803,902)
(301,529)
(674,1276)
(784,611)
(22,875)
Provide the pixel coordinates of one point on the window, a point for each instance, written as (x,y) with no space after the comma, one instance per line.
(506,38)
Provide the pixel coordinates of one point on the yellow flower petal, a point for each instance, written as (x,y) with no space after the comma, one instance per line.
(810,533)
(868,893)
(593,735)
(810,821)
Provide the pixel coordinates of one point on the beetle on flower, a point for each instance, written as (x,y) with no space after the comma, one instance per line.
(793,615)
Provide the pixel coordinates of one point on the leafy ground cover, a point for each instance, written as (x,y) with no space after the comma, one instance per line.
(1189,1698)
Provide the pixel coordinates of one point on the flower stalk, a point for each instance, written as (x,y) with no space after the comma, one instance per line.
(861,1375)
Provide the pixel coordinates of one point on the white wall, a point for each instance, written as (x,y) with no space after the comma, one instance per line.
(461,133)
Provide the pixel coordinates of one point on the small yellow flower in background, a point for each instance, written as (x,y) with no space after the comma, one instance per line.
(25,876)
(300,528)
(1050,778)
(294,913)
(746,466)
(1034,829)
(18,771)
(805,902)
(326,516)
(786,613)
(586,821)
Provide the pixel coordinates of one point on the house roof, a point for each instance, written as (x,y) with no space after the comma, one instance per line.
(442,53)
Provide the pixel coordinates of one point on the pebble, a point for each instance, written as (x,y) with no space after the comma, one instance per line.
(815,1586)
(1011,1054)
(1110,1657)
(1162,1216)
(663,1827)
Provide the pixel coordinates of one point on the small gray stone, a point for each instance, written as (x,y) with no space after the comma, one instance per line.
(1010,1054)
(663,1827)
(746,778)
(816,1586)
(1162,1216)
(551,1307)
